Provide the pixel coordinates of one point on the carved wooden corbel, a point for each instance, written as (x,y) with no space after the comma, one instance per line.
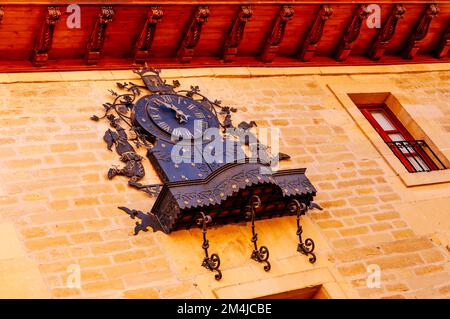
(97,38)
(236,33)
(421,31)
(387,32)
(351,32)
(39,56)
(276,37)
(2,13)
(190,41)
(444,44)
(145,40)
(315,33)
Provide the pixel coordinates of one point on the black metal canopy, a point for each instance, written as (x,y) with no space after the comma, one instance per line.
(224,193)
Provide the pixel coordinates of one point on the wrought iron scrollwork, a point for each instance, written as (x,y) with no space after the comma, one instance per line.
(146,220)
(209,262)
(304,247)
(261,254)
(151,189)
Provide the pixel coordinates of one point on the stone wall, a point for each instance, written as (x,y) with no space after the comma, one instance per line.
(60,210)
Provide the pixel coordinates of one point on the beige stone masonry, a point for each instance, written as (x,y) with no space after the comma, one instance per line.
(19,275)
(58,209)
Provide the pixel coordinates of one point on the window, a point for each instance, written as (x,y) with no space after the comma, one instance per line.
(415,155)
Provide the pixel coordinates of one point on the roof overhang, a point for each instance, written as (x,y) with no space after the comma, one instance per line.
(44,35)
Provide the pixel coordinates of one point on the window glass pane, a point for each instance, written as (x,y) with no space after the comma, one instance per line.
(383,120)
(415,161)
(396,137)
(404,147)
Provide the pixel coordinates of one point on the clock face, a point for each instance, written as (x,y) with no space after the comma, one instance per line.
(178,115)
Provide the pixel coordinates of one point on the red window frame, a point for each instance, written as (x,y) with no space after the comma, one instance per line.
(415,150)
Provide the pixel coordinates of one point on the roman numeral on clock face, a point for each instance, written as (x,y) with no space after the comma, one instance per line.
(191,106)
(156,116)
(199,115)
(164,125)
(166,99)
(181,132)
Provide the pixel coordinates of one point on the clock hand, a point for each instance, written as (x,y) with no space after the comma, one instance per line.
(170,106)
(179,115)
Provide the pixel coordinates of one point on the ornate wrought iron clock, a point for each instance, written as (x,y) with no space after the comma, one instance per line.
(198,191)
(174,114)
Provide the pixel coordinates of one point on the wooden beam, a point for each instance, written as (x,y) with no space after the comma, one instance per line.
(145,40)
(192,37)
(236,33)
(273,42)
(315,33)
(444,44)
(387,32)
(211,62)
(44,39)
(351,32)
(212,2)
(97,38)
(421,31)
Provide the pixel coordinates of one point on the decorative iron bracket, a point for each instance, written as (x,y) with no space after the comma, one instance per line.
(304,247)
(212,262)
(262,254)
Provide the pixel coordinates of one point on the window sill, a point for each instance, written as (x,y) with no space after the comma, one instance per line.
(425,178)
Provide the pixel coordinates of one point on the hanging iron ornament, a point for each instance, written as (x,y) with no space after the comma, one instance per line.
(261,254)
(307,247)
(209,262)
(153,121)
